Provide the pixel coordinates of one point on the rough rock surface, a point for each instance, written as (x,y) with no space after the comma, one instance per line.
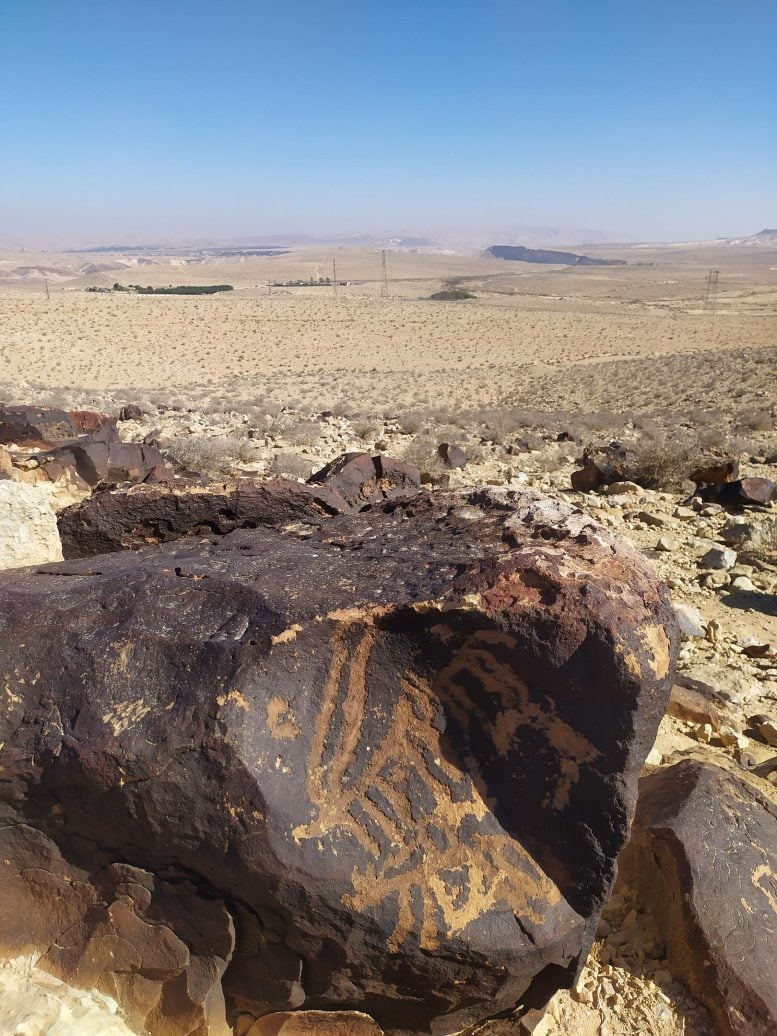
(140,515)
(30,425)
(452,455)
(28,526)
(98,460)
(363,480)
(703,859)
(743,491)
(158,948)
(402,750)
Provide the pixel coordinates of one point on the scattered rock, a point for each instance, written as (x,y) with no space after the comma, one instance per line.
(690,619)
(305,737)
(601,466)
(159,948)
(130,412)
(766,728)
(313,1023)
(755,649)
(693,707)
(451,455)
(719,558)
(622,488)
(715,681)
(743,585)
(363,480)
(28,526)
(667,544)
(654,520)
(702,861)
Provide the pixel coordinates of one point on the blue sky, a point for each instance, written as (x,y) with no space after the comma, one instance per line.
(152,120)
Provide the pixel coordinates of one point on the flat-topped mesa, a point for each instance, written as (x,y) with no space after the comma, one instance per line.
(400,747)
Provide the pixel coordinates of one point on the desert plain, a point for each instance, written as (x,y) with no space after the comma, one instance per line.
(639,337)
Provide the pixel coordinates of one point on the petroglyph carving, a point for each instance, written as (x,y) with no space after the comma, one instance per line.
(421,809)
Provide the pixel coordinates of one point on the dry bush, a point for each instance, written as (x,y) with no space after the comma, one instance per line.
(366,428)
(302,433)
(758,421)
(412,421)
(476,454)
(287,464)
(422,451)
(648,427)
(663,463)
(211,455)
(712,438)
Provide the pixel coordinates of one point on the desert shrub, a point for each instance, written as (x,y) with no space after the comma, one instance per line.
(422,451)
(647,426)
(302,433)
(366,428)
(211,455)
(451,295)
(288,464)
(663,463)
(757,421)
(412,421)
(342,408)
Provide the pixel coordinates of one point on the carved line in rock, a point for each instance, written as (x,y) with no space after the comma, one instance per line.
(454,879)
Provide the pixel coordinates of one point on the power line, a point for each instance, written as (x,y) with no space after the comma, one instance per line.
(383,276)
(334,277)
(711,298)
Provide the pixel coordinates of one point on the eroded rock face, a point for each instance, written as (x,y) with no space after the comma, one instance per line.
(156,947)
(97,460)
(402,747)
(363,480)
(702,860)
(137,516)
(29,425)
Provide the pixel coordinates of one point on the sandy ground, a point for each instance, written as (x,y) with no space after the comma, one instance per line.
(614,337)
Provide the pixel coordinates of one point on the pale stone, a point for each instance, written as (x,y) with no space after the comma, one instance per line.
(720,558)
(690,619)
(743,584)
(28,526)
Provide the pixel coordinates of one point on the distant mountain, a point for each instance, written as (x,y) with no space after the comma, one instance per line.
(519,253)
(763,237)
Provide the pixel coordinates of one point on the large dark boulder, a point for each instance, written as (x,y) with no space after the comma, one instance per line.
(363,480)
(702,862)
(130,517)
(742,491)
(96,460)
(44,426)
(401,749)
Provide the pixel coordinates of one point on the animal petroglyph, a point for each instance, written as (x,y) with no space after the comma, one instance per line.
(420,808)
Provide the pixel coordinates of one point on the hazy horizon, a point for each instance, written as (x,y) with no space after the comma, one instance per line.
(172,123)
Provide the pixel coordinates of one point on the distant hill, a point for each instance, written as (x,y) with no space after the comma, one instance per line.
(763,237)
(545,255)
